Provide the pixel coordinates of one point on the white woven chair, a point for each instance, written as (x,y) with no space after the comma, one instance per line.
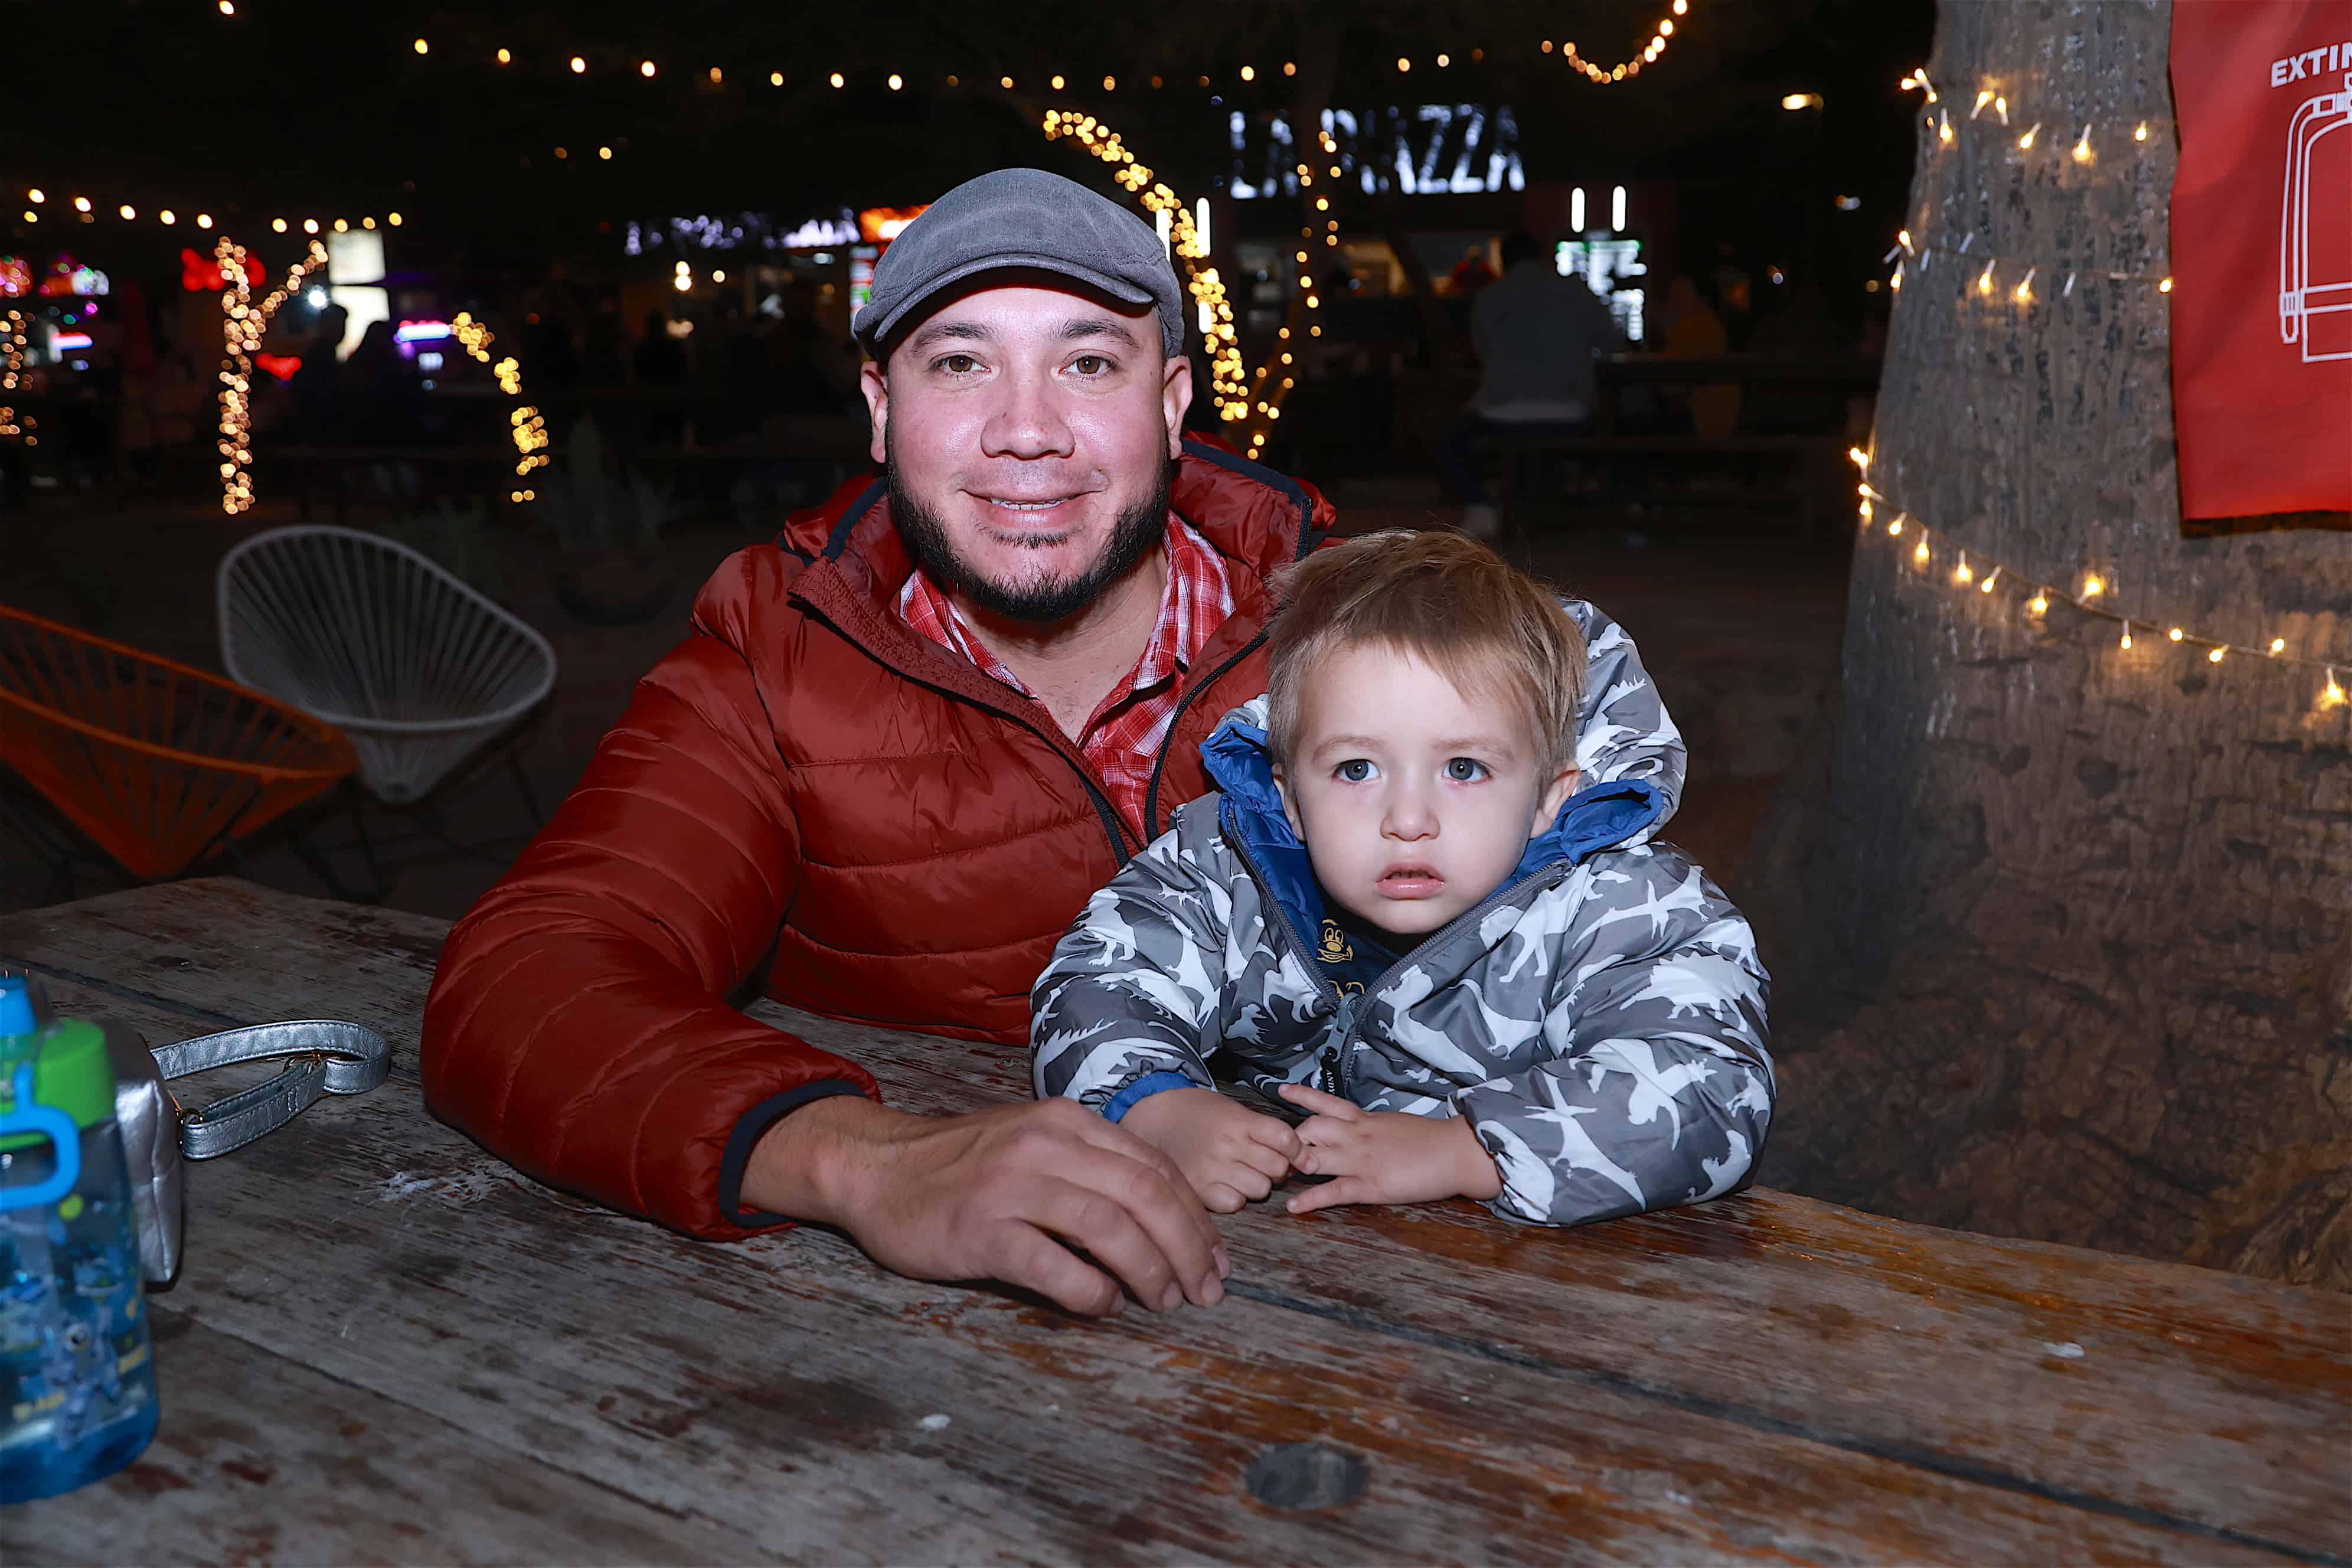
(415,666)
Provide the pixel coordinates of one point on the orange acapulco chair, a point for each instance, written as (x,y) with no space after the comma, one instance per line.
(160,763)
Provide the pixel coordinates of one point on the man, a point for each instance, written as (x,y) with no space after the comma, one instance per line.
(1536,333)
(898,749)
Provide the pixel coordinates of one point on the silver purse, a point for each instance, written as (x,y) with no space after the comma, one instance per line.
(159,1132)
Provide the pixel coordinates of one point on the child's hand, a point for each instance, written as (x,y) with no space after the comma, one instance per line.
(1229,1153)
(1385,1156)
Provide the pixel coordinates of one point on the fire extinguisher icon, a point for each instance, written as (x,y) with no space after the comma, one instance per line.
(2318,314)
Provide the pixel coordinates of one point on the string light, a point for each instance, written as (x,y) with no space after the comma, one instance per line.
(1985,574)
(524,422)
(242,325)
(1229,377)
(12,365)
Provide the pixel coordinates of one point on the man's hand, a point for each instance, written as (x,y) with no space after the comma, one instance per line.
(1386,1156)
(1004,1193)
(1229,1153)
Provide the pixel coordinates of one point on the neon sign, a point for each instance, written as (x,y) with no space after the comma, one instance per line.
(755,231)
(1430,149)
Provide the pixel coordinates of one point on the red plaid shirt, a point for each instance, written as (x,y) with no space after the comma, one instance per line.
(1121,739)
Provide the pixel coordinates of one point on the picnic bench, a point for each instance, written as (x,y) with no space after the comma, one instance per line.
(385,1344)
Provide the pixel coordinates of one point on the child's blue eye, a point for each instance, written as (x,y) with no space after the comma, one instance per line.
(1355,770)
(1463,770)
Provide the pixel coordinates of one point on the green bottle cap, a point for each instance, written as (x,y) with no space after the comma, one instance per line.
(70,1072)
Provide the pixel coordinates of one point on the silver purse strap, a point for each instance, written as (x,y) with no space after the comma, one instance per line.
(336,1058)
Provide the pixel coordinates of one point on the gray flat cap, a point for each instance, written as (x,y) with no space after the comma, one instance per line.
(1021,217)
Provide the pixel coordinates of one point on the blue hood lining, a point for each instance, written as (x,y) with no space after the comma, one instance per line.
(1598,817)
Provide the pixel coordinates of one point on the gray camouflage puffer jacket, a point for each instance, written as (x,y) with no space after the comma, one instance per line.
(1600,1018)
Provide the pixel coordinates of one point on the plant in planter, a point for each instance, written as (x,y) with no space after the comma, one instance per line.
(611,572)
(458,539)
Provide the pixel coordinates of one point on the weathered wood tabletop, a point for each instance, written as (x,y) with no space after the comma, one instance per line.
(384,1345)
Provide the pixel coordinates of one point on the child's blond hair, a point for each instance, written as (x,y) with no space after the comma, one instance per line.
(1440,597)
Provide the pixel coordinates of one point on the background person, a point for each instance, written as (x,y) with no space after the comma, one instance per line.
(1537,334)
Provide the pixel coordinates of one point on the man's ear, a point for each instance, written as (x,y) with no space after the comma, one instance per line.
(1175,399)
(875,382)
(1554,796)
(1290,804)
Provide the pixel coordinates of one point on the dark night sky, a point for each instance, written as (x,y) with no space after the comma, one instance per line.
(317,110)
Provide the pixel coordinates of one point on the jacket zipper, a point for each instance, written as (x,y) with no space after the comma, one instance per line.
(1167,741)
(1113,829)
(1151,796)
(1338,1060)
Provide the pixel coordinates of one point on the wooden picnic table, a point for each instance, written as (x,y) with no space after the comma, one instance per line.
(387,1345)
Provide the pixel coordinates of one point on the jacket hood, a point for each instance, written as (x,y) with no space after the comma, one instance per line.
(1248,512)
(1607,814)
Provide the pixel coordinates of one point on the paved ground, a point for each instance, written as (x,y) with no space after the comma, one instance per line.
(1742,632)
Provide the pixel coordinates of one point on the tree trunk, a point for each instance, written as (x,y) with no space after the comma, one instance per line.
(2070,956)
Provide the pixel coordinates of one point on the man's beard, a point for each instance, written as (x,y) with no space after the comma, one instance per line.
(1137,531)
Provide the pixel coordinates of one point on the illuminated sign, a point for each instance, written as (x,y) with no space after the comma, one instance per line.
(420,332)
(355,256)
(1429,149)
(882,224)
(66,279)
(64,342)
(753,231)
(1607,266)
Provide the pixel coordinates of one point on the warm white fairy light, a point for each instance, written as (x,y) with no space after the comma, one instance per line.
(1228,376)
(1985,575)
(242,325)
(524,422)
(12,367)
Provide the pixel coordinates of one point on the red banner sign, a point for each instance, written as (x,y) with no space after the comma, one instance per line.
(2262,259)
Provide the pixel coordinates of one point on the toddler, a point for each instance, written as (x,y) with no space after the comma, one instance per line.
(1407,916)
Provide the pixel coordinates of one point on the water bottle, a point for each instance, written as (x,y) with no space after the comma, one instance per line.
(77,1362)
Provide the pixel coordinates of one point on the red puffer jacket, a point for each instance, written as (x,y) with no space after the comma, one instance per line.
(803,771)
